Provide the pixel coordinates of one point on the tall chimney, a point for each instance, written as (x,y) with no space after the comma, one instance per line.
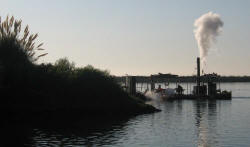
(198,76)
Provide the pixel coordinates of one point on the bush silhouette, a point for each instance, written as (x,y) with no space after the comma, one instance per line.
(59,87)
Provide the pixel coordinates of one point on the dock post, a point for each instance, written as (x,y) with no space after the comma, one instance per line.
(152,84)
(131,85)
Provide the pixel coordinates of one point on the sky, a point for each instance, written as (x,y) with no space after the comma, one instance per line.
(136,37)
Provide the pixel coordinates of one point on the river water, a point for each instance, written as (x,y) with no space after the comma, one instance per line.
(183,123)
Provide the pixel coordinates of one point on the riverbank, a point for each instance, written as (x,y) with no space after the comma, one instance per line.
(21,105)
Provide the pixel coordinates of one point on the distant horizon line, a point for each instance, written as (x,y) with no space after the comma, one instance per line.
(179,75)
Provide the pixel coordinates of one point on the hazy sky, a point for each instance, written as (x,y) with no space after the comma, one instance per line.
(137,37)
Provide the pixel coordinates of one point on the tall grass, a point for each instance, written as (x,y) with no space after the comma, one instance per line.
(11,29)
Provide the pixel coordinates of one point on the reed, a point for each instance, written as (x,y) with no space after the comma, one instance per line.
(11,29)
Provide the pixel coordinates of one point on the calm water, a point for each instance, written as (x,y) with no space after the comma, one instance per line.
(183,123)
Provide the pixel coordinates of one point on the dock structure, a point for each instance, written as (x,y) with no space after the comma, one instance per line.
(205,87)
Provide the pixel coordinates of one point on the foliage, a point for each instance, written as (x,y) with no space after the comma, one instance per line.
(64,67)
(59,86)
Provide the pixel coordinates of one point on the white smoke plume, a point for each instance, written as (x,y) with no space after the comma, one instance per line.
(207,28)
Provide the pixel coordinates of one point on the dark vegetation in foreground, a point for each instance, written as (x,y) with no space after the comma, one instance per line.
(60,89)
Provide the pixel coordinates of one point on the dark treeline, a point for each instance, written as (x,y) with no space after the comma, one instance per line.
(59,88)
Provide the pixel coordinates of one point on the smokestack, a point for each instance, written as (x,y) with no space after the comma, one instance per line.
(198,76)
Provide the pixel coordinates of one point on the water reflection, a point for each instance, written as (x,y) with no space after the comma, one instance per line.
(202,127)
(183,123)
(99,133)
(206,122)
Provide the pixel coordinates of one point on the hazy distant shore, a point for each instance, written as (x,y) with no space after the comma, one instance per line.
(191,79)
